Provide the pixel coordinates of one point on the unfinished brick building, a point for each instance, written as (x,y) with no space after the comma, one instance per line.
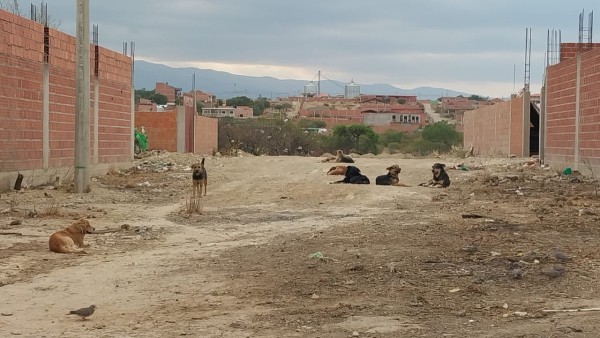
(573,108)
(564,131)
(37,114)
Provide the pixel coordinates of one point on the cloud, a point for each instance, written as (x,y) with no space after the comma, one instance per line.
(426,42)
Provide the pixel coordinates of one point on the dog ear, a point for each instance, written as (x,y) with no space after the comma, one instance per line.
(202,161)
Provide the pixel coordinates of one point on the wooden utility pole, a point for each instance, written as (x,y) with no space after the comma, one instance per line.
(82,99)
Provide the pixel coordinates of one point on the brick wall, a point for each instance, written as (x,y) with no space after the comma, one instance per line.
(22,70)
(561,94)
(569,50)
(21,48)
(166,90)
(495,129)
(161,129)
(206,135)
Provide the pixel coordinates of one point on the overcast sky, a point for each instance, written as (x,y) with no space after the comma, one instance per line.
(471,46)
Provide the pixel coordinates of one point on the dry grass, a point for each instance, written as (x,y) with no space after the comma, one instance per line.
(52,209)
(193,205)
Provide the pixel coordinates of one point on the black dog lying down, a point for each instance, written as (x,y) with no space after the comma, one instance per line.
(391,178)
(353,176)
(440,177)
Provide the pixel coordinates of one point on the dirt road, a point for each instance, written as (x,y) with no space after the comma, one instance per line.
(278,252)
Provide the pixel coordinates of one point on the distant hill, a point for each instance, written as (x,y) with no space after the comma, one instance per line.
(225,85)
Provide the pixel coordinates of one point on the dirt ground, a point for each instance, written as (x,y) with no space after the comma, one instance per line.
(278,252)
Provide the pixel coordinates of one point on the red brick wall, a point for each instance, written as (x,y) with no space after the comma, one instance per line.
(495,129)
(20,94)
(569,50)
(561,105)
(21,88)
(161,129)
(166,90)
(206,135)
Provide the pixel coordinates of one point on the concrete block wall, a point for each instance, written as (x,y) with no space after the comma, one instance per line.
(22,135)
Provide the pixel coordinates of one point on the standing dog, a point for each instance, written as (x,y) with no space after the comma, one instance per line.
(440,176)
(70,239)
(391,178)
(353,176)
(198,179)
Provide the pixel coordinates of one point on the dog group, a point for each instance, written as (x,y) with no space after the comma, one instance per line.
(353,175)
(70,239)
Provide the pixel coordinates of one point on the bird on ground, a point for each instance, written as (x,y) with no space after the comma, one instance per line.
(84,312)
(557,271)
(516,273)
(560,256)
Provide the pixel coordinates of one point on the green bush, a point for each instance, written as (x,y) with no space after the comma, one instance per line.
(308,123)
(394,147)
(442,133)
(390,136)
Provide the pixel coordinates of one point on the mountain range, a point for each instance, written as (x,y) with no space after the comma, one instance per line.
(226,85)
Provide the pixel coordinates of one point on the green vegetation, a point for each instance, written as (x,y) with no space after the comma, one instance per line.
(258,106)
(152,95)
(308,123)
(282,137)
(478,98)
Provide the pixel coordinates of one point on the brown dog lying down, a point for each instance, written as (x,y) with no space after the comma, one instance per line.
(391,178)
(70,239)
(340,158)
(337,170)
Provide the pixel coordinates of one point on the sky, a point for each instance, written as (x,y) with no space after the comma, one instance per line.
(469,46)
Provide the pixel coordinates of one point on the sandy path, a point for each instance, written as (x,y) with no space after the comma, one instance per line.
(135,290)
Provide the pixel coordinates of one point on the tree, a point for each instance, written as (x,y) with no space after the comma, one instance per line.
(239,101)
(308,123)
(478,98)
(401,101)
(390,136)
(442,133)
(199,107)
(260,105)
(283,106)
(358,137)
(151,95)
(159,98)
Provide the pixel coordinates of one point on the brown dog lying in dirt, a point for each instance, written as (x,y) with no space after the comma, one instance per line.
(337,170)
(340,158)
(391,178)
(70,239)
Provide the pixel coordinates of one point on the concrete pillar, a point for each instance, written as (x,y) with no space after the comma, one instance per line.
(82,98)
(526,119)
(577,108)
(132,153)
(46,116)
(181,129)
(543,103)
(96,119)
